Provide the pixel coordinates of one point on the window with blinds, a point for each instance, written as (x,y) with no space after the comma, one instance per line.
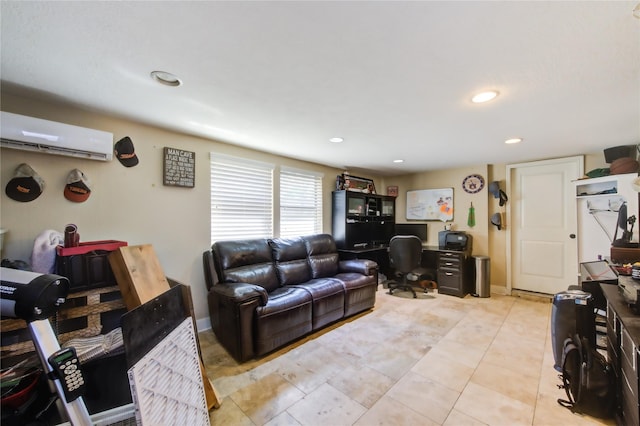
(300,202)
(241,198)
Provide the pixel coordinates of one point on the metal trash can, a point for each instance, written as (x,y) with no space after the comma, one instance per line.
(483,284)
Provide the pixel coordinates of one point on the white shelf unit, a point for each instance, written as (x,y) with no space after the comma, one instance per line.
(598,201)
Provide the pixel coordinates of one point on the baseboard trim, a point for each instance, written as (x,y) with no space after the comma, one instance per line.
(498,289)
(532,295)
(203,324)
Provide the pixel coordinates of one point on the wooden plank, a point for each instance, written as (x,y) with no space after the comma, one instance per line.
(138,274)
(213,399)
(210,393)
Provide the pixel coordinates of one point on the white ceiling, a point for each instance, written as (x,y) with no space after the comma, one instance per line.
(392,78)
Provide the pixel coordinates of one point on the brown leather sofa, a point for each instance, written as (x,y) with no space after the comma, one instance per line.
(265,293)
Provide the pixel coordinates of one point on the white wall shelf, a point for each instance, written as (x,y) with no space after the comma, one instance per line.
(598,202)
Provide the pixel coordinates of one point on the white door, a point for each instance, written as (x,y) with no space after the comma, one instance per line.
(542,213)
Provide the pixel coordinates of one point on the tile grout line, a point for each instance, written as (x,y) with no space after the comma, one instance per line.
(476,367)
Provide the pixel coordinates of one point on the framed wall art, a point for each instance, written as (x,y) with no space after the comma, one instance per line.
(430,204)
(358,184)
(179,168)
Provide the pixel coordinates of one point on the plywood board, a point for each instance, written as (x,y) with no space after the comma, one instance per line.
(138,274)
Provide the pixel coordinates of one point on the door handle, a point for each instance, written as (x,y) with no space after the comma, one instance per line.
(572,236)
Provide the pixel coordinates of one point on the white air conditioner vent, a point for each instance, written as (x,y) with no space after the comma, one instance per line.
(49,137)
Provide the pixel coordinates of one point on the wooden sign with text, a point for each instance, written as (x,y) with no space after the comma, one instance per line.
(179,167)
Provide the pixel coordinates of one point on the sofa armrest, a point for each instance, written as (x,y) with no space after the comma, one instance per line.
(232,309)
(363,266)
(241,292)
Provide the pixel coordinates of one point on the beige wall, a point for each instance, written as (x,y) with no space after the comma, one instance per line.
(131,204)
(128,204)
(487,239)
(483,202)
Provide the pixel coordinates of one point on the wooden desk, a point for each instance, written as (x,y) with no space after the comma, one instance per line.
(379,254)
(453,270)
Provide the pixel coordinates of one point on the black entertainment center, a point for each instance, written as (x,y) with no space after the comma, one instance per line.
(362,220)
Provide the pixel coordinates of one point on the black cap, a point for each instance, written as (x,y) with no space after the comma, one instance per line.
(125,152)
(496,220)
(26,185)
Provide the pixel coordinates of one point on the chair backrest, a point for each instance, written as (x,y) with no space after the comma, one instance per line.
(405,253)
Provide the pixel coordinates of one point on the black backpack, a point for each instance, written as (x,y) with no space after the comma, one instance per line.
(587,378)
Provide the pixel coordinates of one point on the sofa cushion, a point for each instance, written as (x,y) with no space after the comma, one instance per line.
(360,291)
(248,261)
(290,256)
(328,300)
(322,255)
(286,317)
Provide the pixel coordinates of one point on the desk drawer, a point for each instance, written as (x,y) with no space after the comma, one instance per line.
(450,282)
(629,401)
(628,348)
(450,260)
(611,316)
(631,377)
(613,350)
(451,255)
(449,263)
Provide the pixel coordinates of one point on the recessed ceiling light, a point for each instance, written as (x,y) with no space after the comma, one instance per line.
(398,161)
(166,78)
(484,96)
(336,140)
(513,140)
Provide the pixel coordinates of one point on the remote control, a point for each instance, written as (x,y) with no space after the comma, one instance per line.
(66,367)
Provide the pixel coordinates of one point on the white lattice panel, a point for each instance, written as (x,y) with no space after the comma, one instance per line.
(166,383)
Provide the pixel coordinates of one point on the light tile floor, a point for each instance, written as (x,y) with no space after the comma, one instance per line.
(434,360)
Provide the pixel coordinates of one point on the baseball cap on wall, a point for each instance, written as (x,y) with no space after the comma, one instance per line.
(496,219)
(494,188)
(26,185)
(78,187)
(125,152)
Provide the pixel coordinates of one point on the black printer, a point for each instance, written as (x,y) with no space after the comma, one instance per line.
(455,240)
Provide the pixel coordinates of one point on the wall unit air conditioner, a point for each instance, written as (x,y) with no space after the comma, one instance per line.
(34,134)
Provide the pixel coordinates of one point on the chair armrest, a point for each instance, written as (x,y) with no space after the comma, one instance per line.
(241,292)
(363,266)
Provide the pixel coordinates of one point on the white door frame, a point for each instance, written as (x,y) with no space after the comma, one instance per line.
(579,159)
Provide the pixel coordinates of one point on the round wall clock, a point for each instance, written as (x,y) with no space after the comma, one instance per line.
(473,184)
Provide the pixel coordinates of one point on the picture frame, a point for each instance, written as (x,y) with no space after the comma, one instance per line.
(392,191)
(178,167)
(359,184)
(430,204)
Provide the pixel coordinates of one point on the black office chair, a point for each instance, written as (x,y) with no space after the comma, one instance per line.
(405,255)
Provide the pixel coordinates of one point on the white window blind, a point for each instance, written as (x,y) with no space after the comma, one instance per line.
(241,198)
(300,202)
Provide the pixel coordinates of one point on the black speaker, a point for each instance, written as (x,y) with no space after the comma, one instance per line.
(572,312)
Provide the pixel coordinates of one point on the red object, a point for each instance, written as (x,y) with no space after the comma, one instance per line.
(89,246)
(22,392)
